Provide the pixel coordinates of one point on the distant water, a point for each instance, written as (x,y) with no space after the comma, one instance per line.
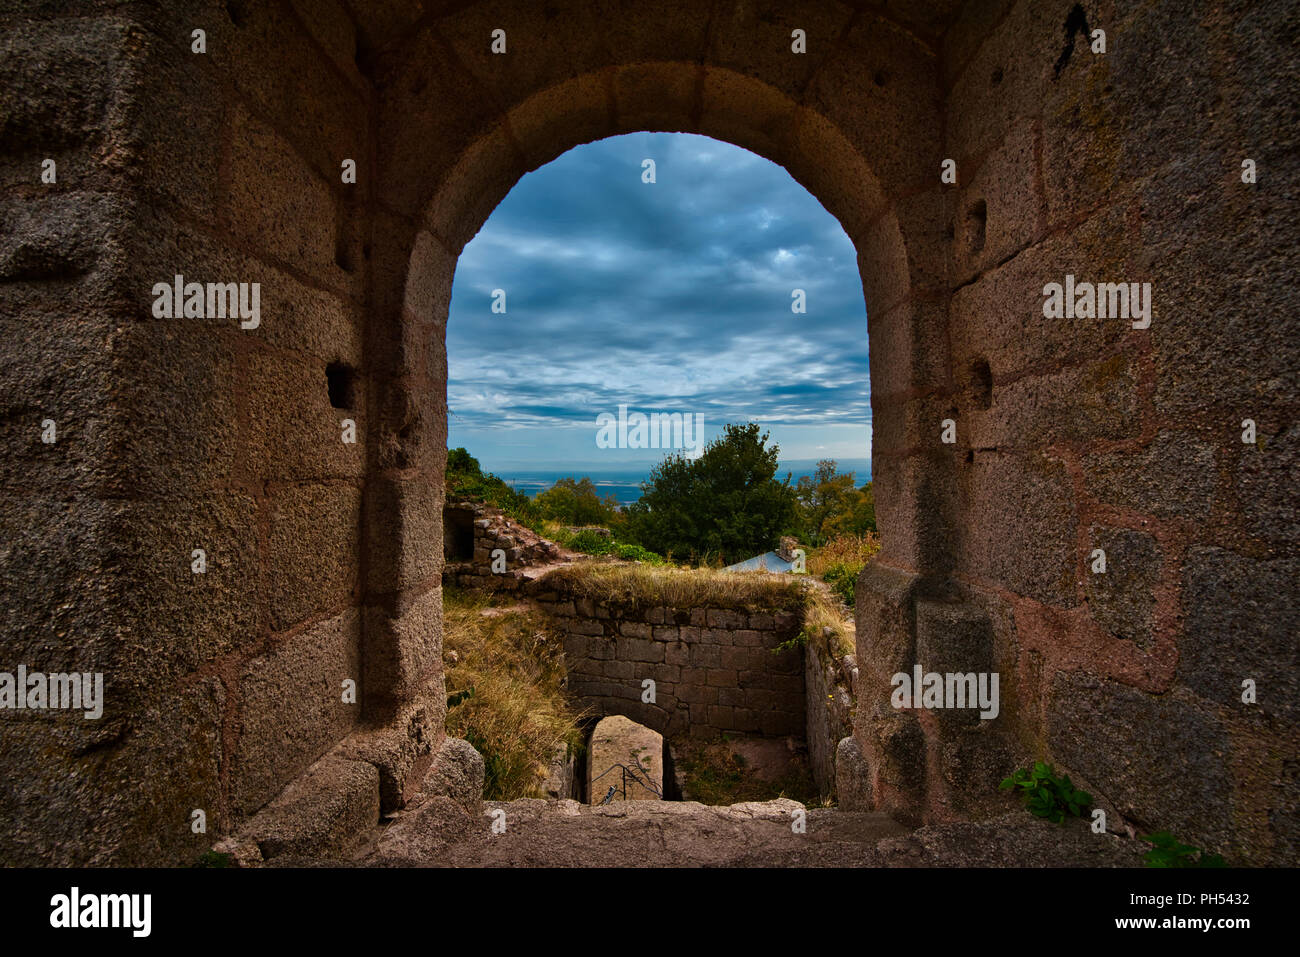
(625,484)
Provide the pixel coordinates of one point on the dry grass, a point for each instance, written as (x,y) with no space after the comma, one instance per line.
(504,692)
(826,626)
(839,562)
(646,585)
(845,550)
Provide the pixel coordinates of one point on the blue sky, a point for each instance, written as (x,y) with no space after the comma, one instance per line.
(673,296)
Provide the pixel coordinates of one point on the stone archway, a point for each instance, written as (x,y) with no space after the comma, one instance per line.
(434,202)
(185,433)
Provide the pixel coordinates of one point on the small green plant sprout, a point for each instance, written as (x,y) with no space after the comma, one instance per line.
(1168,851)
(790,644)
(1046,795)
(213,859)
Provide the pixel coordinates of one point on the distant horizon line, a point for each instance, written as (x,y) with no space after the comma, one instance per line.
(608,468)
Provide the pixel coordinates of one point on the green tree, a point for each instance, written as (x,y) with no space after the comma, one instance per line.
(465,479)
(856,515)
(577,503)
(459,461)
(727,502)
(829,505)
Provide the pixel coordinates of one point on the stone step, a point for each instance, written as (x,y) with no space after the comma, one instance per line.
(326,813)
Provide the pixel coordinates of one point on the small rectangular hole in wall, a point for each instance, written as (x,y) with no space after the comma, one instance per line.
(341,381)
(457,535)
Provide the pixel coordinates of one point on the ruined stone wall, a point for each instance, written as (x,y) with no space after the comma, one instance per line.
(500,550)
(830,701)
(715,670)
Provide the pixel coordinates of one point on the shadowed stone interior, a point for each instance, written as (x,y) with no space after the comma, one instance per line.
(323,557)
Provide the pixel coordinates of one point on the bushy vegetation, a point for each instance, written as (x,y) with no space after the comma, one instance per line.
(1168,851)
(504,675)
(831,507)
(1047,795)
(465,479)
(725,505)
(590,541)
(576,502)
(840,560)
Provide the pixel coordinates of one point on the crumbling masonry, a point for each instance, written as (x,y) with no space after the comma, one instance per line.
(322,564)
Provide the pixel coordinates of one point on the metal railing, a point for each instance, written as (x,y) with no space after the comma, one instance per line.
(637,775)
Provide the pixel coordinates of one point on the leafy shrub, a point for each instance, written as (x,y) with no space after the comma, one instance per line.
(591,542)
(830,506)
(1168,851)
(635,553)
(841,560)
(577,502)
(465,479)
(1046,795)
(726,501)
(842,578)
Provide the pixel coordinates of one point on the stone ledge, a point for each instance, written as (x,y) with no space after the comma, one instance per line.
(458,773)
(327,812)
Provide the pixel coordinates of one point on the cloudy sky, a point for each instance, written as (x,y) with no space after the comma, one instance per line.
(666,297)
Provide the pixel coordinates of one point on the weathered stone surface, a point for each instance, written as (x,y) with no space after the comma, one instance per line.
(561,775)
(973,763)
(65,78)
(956,638)
(313,534)
(404,748)
(1172,775)
(1122,599)
(172,430)
(998,206)
(719,678)
(1242,620)
(1014,839)
(541,833)
(1093,400)
(895,754)
(1173,476)
(953,636)
(291,707)
(1265,486)
(324,813)
(1020,525)
(458,773)
(852,776)
(886,619)
(402,648)
(90,810)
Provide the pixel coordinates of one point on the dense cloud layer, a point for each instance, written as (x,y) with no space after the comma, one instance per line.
(673,296)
